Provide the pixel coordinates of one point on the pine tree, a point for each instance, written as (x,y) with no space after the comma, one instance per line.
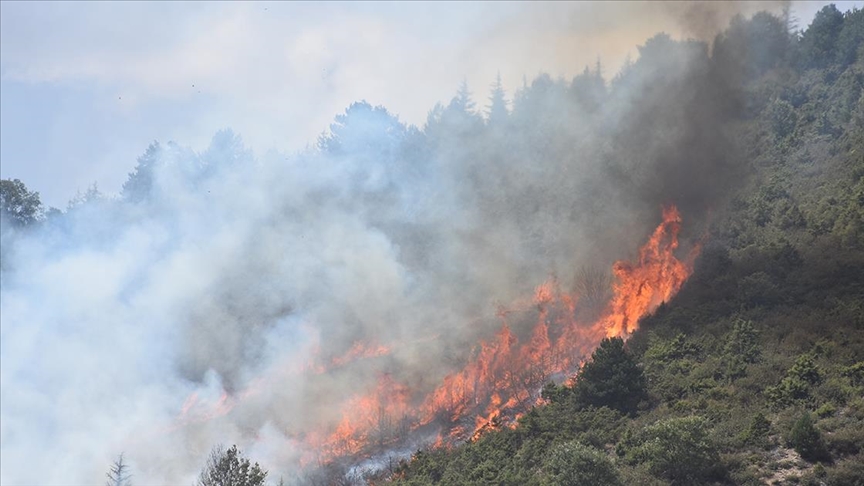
(497,109)
(611,379)
(118,473)
(462,101)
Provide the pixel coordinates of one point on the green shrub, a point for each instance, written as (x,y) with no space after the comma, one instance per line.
(679,449)
(575,464)
(806,439)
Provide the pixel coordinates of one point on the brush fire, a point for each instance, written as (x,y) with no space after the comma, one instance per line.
(504,377)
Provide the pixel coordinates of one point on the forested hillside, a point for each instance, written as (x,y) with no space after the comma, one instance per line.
(754,373)
(309,305)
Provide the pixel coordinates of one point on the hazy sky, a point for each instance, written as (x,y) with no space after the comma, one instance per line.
(86,86)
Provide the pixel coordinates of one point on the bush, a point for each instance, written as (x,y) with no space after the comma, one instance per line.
(574,464)
(757,431)
(806,439)
(678,449)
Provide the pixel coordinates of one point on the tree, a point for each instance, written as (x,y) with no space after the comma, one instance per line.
(497,109)
(677,449)
(806,439)
(19,206)
(782,118)
(589,89)
(612,378)
(364,130)
(751,47)
(575,464)
(850,42)
(230,468)
(742,348)
(819,42)
(118,473)
(139,184)
(462,101)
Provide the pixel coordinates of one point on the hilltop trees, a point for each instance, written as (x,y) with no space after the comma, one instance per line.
(139,184)
(497,112)
(18,206)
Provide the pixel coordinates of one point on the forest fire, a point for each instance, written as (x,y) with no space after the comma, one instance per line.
(506,375)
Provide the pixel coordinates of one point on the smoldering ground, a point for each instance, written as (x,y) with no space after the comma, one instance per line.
(189,309)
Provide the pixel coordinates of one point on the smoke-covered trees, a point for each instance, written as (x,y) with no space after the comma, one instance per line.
(230,468)
(139,184)
(19,206)
(364,131)
(497,112)
(118,473)
(750,47)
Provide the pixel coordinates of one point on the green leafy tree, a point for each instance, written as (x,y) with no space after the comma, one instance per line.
(230,468)
(575,464)
(19,206)
(612,378)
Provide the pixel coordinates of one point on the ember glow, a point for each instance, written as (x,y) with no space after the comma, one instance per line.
(505,376)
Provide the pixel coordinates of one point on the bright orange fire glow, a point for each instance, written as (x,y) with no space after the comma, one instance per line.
(505,376)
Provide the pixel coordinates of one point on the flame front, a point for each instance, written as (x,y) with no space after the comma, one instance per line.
(505,377)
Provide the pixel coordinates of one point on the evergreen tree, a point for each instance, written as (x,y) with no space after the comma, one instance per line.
(806,439)
(819,42)
(139,184)
(118,473)
(612,378)
(497,109)
(462,101)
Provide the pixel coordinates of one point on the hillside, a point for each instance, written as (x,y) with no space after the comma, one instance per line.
(754,372)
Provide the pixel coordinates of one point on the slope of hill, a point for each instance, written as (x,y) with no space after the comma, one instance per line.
(754,372)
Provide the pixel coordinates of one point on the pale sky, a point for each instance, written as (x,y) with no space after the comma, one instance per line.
(86,86)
